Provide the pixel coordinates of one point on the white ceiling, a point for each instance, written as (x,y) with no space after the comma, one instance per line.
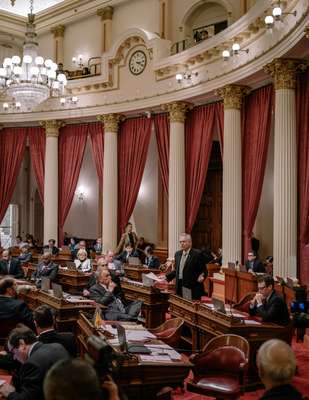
(21,7)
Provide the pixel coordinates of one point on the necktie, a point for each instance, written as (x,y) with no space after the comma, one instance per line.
(9,267)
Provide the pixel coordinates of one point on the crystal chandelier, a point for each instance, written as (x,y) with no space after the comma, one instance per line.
(31,80)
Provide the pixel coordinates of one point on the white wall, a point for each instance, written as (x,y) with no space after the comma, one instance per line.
(46,46)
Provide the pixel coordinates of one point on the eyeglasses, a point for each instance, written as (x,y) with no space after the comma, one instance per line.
(261,287)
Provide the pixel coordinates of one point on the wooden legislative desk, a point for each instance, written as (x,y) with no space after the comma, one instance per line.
(238,284)
(139,380)
(135,272)
(206,323)
(155,302)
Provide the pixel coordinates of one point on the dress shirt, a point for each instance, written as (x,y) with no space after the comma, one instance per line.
(183,262)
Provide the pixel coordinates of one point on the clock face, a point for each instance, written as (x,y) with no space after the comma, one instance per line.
(137,62)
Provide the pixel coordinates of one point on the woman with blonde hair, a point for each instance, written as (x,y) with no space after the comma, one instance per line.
(83,263)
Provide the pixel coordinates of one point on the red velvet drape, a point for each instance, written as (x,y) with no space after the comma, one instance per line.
(302,112)
(37,143)
(219,107)
(12,147)
(96,132)
(162,128)
(198,136)
(257,124)
(132,153)
(72,143)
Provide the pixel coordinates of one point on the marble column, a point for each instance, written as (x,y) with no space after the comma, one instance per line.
(177,176)
(51,180)
(165,12)
(285,166)
(110,181)
(58,32)
(106,15)
(232,172)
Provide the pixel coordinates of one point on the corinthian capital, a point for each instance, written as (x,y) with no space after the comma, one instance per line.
(52,127)
(232,96)
(284,70)
(177,111)
(58,31)
(110,121)
(105,13)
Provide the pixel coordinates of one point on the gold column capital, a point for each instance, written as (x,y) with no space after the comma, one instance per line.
(232,96)
(177,110)
(105,13)
(52,127)
(110,121)
(284,70)
(58,31)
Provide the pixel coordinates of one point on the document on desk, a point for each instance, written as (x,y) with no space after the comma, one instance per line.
(251,322)
(139,336)
(161,350)
(154,358)
(154,277)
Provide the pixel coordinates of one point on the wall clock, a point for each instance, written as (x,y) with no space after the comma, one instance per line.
(137,62)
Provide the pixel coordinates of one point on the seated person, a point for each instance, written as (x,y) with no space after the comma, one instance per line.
(50,247)
(11,308)
(44,322)
(126,254)
(98,246)
(36,359)
(216,258)
(25,255)
(19,242)
(253,264)
(46,268)
(269,265)
(10,265)
(82,263)
(80,245)
(109,294)
(113,264)
(151,261)
(277,366)
(267,304)
(72,245)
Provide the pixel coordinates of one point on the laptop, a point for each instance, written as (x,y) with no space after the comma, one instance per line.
(242,268)
(218,305)
(231,266)
(148,282)
(127,347)
(57,290)
(134,261)
(45,284)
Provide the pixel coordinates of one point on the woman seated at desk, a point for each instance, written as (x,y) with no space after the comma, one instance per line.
(83,263)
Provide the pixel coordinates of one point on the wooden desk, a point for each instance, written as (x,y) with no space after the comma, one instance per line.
(218,287)
(238,284)
(135,272)
(155,302)
(139,380)
(230,286)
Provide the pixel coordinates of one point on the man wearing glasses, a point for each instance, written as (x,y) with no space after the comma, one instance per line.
(267,304)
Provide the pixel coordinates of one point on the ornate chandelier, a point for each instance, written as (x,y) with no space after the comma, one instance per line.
(31,80)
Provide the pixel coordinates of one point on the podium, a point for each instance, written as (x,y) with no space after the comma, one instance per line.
(238,284)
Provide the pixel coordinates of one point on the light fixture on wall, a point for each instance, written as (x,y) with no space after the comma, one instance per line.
(69,100)
(226,54)
(78,61)
(276,16)
(11,106)
(185,76)
(81,193)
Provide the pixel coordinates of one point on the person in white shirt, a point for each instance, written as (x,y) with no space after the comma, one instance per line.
(83,263)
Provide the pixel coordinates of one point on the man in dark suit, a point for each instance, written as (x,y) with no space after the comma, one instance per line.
(253,264)
(268,305)
(44,322)
(190,270)
(126,254)
(51,248)
(277,366)
(36,359)
(13,310)
(10,266)
(46,268)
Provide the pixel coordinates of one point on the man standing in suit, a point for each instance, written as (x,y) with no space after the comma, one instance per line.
(190,270)
(46,268)
(253,264)
(36,359)
(44,322)
(10,266)
(268,305)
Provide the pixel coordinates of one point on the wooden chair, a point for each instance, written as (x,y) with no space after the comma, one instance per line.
(220,370)
(169,332)
(244,302)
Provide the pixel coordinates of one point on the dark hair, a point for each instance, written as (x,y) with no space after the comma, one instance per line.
(52,240)
(5,284)
(18,237)
(149,250)
(268,280)
(21,332)
(253,252)
(43,316)
(129,223)
(269,259)
(70,380)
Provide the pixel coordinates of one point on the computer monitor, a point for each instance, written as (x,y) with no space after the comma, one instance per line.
(57,290)
(148,282)
(218,305)
(242,268)
(231,266)
(186,293)
(45,284)
(127,347)
(134,261)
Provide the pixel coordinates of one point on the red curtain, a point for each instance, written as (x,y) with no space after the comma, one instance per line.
(37,143)
(96,132)
(219,107)
(257,124)
(162,128)
(132,153)
(12,147)
(302,112)
(199,134)
(72,143)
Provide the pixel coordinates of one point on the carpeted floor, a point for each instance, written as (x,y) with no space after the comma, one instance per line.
(301,381)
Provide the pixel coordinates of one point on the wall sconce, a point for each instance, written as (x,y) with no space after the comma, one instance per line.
(81,193)
(13,106)
(78,61)
(276,16)
(73,100)
(226,54)
(186,76)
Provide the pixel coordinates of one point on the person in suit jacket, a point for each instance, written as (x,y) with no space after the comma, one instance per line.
(128,237)
(11,308)
(126,254)
(98,246)
(36,359)
(50,247)
(268,305)
(46,268)
(277,366)
(10,266)
(25,255)
(253,264)
(44,322)
(150,260)
(190,270)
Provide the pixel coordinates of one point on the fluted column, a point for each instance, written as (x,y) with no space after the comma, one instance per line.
(51,180)
(165,12)
(106,15)
(232,173)
(58,32)
(110,181)
(285,166)
(177,176)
